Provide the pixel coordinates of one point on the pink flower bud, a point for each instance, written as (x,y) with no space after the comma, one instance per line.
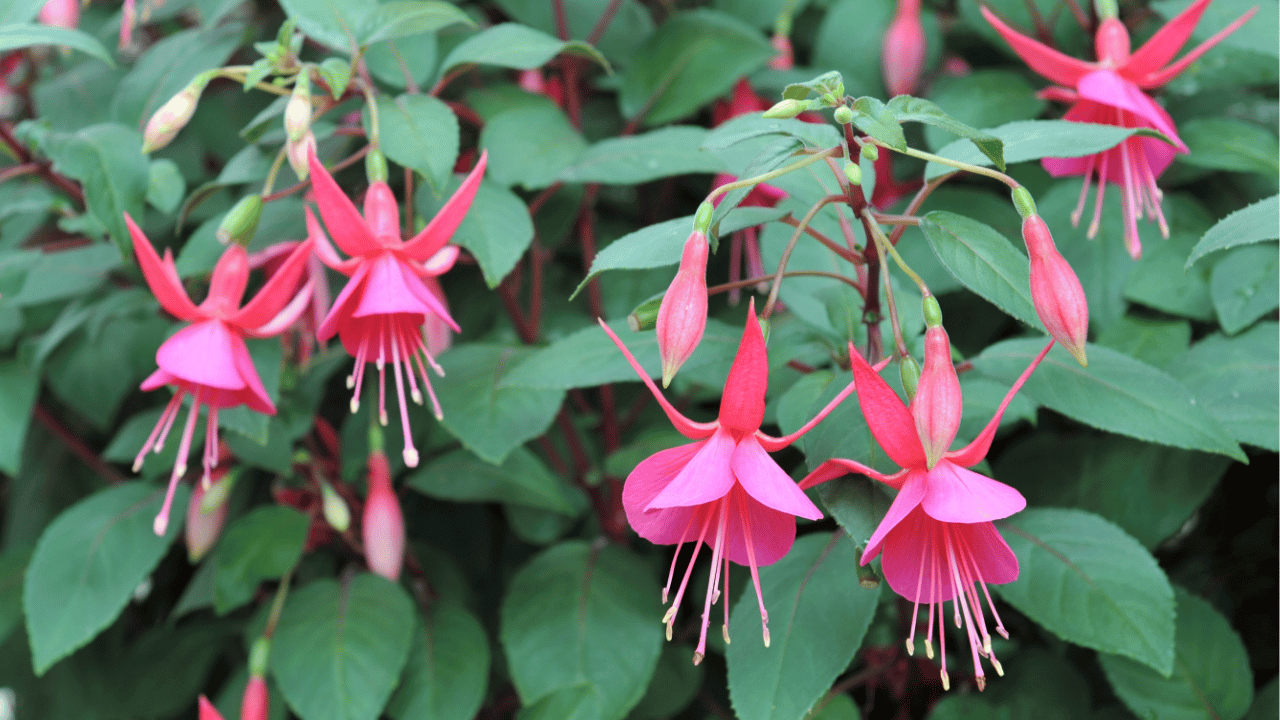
(256,703)
(937,405)
(62,13)
(903,51)
(1112,42)
(297,113)
(1055,290)
(204,525)
(786,58)
(172,116)
(383,524)
(683,315)
(297,152)
(208,711)
(532,81)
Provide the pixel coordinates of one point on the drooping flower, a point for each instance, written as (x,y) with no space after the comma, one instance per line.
(724,490)
(682,316)
(380,314)
(937,538)
(1111,92)
(382,525)
(208,359)
(903,52)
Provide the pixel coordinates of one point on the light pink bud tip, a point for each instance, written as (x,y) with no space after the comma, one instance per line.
(682,317)
(1056,291)
(256,703)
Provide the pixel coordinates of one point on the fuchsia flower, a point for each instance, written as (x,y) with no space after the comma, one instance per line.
(902,54)
(682,316)
(271,259)
(208,359)
(382,525)
(937,539)
(1110,92)
(381,312)
(723,490)
(1055,290)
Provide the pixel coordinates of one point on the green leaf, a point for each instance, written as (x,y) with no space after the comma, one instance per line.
(529,145)
(418,132)
(263,545)
(1233,379)
(342,23)
(692,58)
(522,479)
(1148,490)
(582,619)
(631,24)
(640,158)
(874,118)
(1090,583)
(829,83)
(107,159)
(19,385)
(913,109)
(984,261)
(821,615)
(1115,393)
(1228,144)
(513,45)
(1245,285)
(675,684)
(588,357)
(13,565)
(91,558)
(652,246)
(851,24)
(1036,684)
(1211,675)
(1252,224)
(497,229)
(487,417)
(13,37)
(856,503)
(166,187)
(1266,702)
(338,650)
(1154,342)
(448,667)
(1159,281)
(402,18)
(1034,139)
(746,127)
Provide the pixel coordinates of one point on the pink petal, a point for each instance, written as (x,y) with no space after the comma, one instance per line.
(911,552)
(345,303)
(446,222)
(388,290)
(434,301)
(1108,88)
(324,250)
(836,467)
(277,291)
(974,452)
(890,422)
(742,401)
(684,426)
(1060,68)
(763,480)
(256,396)
(909,497)
(382,213)
(937,405)
(288,315)
(958,495)
(203,354)
(666,526)
(161,277)
(1160,77)
(770,532)
(158,378)
(704,478)
(995,560)
(346,226)
(229,279)
(442,261)
(1165,43)
(208,711)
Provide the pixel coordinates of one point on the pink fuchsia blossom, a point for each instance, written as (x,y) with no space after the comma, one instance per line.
(271,259)
(381,313)
(1110,92)
(208,360)
(724,490)
(1055,290)
(682,316)
(937,538)
(256,702)
(903,52)
(383,523)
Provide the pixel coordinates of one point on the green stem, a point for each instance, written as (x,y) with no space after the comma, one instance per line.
(275,170)
(791,245)
(968,167)
(881,240)
(766,177)
(277,605)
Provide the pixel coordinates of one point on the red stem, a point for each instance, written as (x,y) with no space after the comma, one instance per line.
(77,446)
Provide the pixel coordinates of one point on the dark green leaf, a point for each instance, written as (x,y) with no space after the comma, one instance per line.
(13,37)
(402,18)
(1245,285)
(497,229)
(983,99)
(1233,380)
(91,558)
(1090,583)
(1154,342)
(419,132)
(675,683)
(338,650)
(856,503)
(515,46)
(529,145)
(1266,702)
(263,545)
(821,615)
(656,245)
(13,565)
(1211,676)
(1115,393)
(984,261)
(874,118)
(631,23)
(19,385)
(641,158)
(1159,281)
(583,620)
(107,160)
(1034,139)
(851,24)
(1227,144)
(1252,224)
(166,187)
(447,670)
(913,109)
(489,418)
(522,479)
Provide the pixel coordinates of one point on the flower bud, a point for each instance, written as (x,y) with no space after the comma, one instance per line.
(204,526)
(870,152)
(208,711)
(298,151)
(853,173)
(786,58)
(173,115)
(336,512)
(382,523)
(240,223)
(256,703)
(375,166)
(297,113)
(1111,42)
(785,109)
(1056,291)
(909,371)
(843,115)
(682,317)
(1023,201)
(645,316)
(903,51)
(62,13)
(938,404)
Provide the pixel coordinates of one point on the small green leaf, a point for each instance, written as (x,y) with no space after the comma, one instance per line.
(1252,224)
(13,37)
(19,385)
(263,545)
(521,479)
(497,229)
(984,261)
(1245,285)
(529,145)
(448,667)
(913,109)
(1211,676)
(513,45)
(338,650)
(1228,144)
(91,558)
(1233,378)
(107,159)
(856,503)
(166,186)
(820,617)
(652,246)
(1088,582)
(874,118)
(418,132)
(1034,139)
(640,158)
(828,83)
(402,18)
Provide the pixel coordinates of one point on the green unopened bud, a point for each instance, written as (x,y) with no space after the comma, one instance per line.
(259,656)
(645,316)
(376,442)
(932,313)
(375,166)
(174,114)
(870,152)
(786,109)
(1107,9)
(241,222)
(909,370)
(853,172)
(702,220)
(844,115)
(217,494)
(867,576)
(297,113)
(1024,202)
(336,512)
